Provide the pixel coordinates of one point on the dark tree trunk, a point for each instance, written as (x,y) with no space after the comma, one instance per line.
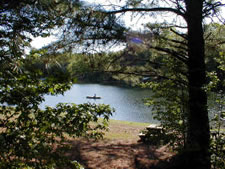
(198,132)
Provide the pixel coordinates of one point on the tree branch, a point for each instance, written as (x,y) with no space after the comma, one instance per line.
(175,41)
(172,53)
(123,10)
(179,34)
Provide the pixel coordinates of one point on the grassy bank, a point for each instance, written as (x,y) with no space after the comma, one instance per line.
(124,130)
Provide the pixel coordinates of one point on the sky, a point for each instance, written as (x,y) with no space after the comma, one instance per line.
(136,23)
(40,42)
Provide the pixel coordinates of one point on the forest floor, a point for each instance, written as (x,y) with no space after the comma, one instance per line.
(120,149)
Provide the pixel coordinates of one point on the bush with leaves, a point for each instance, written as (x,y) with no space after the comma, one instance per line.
(31,137)
(35,138)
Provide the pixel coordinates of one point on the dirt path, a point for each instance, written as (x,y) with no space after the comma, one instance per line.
(119,150)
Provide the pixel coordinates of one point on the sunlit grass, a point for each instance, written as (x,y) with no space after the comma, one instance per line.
(112,121)
(124,130)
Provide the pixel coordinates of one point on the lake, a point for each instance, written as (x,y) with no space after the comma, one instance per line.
(128,102)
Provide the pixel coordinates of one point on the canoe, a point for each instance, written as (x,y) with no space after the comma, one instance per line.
(93,97)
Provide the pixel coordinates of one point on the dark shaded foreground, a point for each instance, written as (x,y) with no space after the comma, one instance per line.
(118,154)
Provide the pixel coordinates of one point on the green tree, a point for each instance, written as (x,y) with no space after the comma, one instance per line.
(31,137)
(170,91)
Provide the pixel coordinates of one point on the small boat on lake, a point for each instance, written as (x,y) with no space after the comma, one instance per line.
(93,97)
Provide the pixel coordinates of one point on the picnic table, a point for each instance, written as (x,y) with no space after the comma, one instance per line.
(152,134)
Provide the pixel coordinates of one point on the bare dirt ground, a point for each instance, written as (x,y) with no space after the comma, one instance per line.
(119,150)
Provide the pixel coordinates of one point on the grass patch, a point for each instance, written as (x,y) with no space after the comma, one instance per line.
(124,130)
(118,135)
(134,124)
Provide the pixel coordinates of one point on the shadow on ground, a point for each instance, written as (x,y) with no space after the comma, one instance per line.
(118,154)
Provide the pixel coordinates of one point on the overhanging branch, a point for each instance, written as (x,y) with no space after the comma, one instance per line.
(172,53)
(147,10)
(179,34)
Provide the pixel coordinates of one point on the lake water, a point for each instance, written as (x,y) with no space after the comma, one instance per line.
(128,102)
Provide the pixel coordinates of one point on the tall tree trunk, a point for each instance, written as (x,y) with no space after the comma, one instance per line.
(198,132)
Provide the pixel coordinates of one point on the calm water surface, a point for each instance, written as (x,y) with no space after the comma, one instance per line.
(128,102)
